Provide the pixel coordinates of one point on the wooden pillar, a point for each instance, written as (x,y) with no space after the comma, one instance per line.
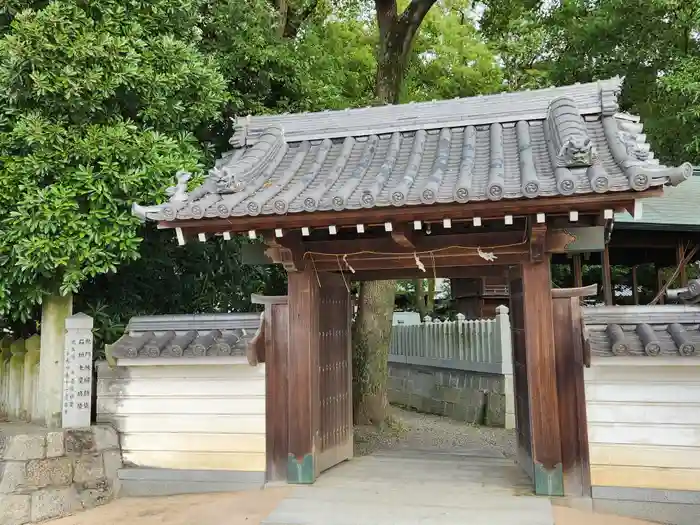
(578,271)
(302,376)
(607,279)
(541,367)
(660,283)
(635,285)
(680,255)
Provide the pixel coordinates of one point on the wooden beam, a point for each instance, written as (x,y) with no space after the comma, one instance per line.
(578,270)
(302,376)
(450,272)
(635,285)
(421,243)
(607,279)
(591,204)
(579,291)
(541,367)
(335,263)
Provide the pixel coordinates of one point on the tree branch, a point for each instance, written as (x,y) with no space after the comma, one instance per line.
(296,19)
(410,21)
(416,11)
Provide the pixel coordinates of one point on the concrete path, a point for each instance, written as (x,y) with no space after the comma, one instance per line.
(412,486)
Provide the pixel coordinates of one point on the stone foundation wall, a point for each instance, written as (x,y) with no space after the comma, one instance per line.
(474,397)
(46,474)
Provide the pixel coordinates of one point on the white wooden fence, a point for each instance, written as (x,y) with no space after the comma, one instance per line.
(479,345)
(19,379)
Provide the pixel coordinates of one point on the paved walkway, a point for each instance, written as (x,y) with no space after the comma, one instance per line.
(410,486)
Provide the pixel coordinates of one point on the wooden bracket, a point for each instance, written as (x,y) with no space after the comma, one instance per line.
(403,236)
(287,251)
(538,242)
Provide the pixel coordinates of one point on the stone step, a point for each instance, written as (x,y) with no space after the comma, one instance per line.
(422,495)
(317,512)
(145,482)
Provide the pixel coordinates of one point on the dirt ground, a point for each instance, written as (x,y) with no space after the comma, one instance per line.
(240,508)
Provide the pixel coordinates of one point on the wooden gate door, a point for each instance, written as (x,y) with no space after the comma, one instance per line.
(522,395)
(334,373)
(571,355)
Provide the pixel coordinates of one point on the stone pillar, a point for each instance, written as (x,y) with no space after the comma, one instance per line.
(77,373)
(54,312)
(503,333)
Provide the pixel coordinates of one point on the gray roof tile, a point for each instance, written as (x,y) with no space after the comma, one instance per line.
(622,330)
(187,336)
(551,142)
(677,207)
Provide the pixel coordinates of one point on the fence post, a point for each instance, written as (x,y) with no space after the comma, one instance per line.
(505,346)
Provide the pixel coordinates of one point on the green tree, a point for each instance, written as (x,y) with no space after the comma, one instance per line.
(99,104)
(653,44)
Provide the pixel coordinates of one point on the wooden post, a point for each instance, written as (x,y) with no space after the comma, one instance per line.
(302,377)
(276,332)
(607,280)
(635,285)
(680,255)
(578,271)
(571,397)
(542,378)
(660,283)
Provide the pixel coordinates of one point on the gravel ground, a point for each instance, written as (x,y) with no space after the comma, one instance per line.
(410,429)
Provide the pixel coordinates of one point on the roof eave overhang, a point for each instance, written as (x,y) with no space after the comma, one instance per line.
(486,210)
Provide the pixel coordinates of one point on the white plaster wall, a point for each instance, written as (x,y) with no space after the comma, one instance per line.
(644,422)
(186,416)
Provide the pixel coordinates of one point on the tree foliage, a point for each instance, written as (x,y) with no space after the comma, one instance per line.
(99,101)
(653,44)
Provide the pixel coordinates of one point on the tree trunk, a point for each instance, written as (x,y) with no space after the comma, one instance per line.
(420,298)
(371,338)
(55,309)
(431,296)
(372,330)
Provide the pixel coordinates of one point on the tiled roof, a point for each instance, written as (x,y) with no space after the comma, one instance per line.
(186,336)
(551,142)
(649,331)
(678,207)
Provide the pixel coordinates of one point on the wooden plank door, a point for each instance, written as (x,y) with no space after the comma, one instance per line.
(522,395)
(571,360)
(334,373)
